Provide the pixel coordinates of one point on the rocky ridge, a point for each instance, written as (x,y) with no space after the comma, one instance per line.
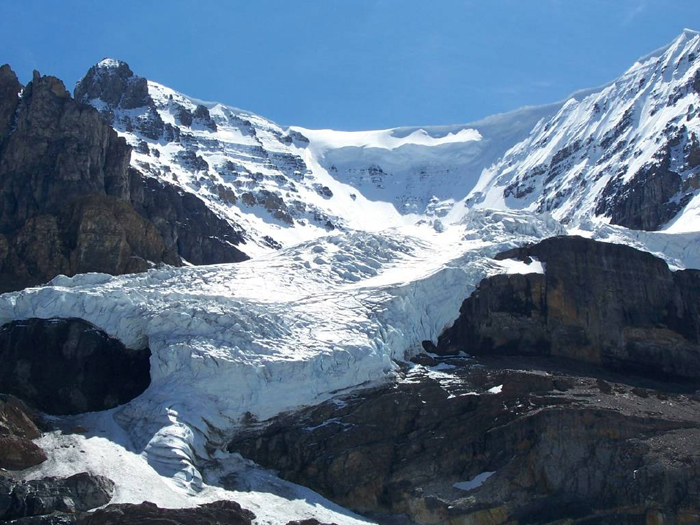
(627,154)
(69,203)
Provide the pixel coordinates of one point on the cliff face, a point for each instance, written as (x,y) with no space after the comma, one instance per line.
(185,222)
(59,150)
(65,190)
(600,303)
(495,441)
(69,203)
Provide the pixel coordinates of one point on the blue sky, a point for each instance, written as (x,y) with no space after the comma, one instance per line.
(353,64)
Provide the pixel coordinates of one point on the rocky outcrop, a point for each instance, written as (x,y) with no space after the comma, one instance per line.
(228,512)
(115,85)
(67,366)
(65,190)
(69,203)
(497,441)
(18,427)
(78,493)
(597,302)
(59,150)
(185,222)
(90,234)
(113,82)
(10,89)
(647,201)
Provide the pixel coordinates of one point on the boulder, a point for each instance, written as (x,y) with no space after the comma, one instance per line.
(77,493)
(18,427)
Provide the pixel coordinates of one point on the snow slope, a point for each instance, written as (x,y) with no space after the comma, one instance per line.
(283,186)
(583,162)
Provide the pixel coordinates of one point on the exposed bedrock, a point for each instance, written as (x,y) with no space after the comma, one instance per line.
(90,234)
(67,366)
(57,150)
(23,500)
(197,234)
(538,443)
(69,203)
(18,427)
(597,302)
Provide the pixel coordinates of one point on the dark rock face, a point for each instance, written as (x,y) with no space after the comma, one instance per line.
(220,512)
(600,303)
(90,234)
(113,82)
(65,190)
(69,203)
(59,150)
(186,223)
(548,442)
(115,86)
(10,89)
(67,366)
(644,203)
(78,493)
(17,429)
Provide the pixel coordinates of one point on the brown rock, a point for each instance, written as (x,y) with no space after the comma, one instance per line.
(555,456)
(598,303)
(17,453)
(17,429)
(220,512)
(90,234)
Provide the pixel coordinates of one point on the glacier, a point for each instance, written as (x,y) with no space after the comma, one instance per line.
(357,277)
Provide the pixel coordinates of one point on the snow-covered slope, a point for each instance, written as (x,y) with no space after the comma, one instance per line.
(629,154)
(282,186)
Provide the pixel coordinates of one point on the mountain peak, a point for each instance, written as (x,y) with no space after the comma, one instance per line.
(114,83)
(111,63)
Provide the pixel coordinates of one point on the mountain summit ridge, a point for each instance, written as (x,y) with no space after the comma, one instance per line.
(286,185)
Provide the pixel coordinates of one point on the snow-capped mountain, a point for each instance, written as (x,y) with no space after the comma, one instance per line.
(364,245)
(284,185)
(628,154)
